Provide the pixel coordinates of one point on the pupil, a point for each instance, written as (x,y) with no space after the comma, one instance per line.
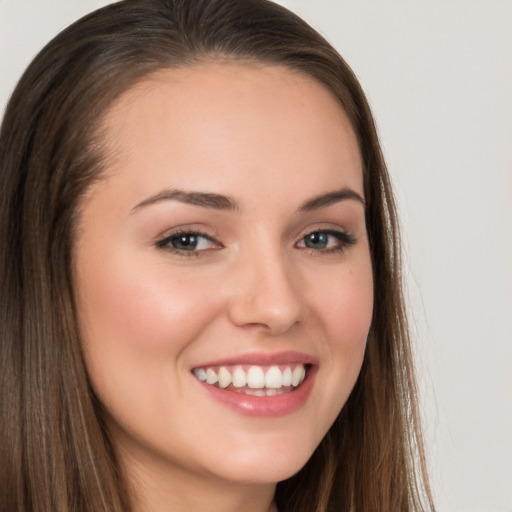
(185,242)
(316,240)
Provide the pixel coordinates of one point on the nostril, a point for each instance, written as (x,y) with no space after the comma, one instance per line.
(265,296)
(258,315)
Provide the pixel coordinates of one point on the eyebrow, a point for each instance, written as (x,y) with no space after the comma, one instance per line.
(330,198)
(222,202)
(204,199)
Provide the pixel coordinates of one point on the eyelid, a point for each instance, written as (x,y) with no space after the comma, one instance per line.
(193,228)
(322,227)
(345,239)
(164,241)
(343,236)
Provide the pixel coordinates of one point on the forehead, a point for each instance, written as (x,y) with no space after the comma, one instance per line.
(231,124)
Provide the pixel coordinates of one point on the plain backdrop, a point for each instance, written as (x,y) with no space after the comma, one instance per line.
(438,74)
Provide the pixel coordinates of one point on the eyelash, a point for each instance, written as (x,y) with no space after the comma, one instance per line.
(166,242)
(344,240)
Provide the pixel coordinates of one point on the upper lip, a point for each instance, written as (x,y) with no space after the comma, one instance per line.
(263,359)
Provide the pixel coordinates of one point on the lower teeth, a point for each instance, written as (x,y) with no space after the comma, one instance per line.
(260,391)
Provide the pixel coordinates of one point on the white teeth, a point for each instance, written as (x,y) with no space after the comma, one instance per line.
(211,376)
(200,373)
(239,378)
(224,377)
(298,375)
(273,378)
(255,377)
(287,376)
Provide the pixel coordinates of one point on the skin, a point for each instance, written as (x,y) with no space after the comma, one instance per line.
(270,139)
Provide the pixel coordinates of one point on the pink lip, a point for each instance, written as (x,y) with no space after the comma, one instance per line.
(261,359)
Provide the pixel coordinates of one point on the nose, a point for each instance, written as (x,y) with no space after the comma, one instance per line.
(266,294)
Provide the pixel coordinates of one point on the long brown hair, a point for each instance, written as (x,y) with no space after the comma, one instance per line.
(55,454)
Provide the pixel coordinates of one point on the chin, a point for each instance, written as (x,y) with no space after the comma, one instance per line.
(265,466)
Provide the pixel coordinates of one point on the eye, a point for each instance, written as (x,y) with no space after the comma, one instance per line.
(326,240)
(190,242)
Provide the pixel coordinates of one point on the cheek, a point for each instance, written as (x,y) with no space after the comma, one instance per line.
(346,304)
(344,307)
(136,306)
(136,321)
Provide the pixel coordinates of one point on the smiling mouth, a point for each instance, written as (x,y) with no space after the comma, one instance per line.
(254,379)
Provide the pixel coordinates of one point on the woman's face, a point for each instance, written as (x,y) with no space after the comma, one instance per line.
(226,243)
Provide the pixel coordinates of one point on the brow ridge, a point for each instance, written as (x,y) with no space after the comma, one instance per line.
(203,199)
(331,198)
(222,202)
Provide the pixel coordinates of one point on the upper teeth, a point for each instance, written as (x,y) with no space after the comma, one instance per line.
(255,377)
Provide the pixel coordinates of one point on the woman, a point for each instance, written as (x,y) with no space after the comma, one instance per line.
(177,332)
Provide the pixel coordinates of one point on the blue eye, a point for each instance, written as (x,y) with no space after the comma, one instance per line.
(185,242)
(326,240)
(188,242)
(317,240)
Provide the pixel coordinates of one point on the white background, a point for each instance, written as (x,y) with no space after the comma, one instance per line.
(439,77)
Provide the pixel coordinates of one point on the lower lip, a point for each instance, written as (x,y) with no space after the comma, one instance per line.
(264,406)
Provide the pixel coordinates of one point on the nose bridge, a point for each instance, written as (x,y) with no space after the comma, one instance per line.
(266,293)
